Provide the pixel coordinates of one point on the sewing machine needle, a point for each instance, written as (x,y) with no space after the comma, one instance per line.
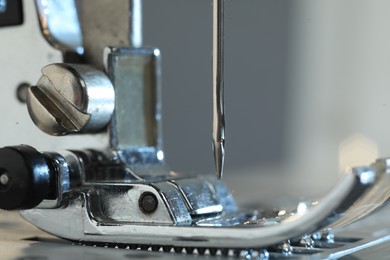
(218,133)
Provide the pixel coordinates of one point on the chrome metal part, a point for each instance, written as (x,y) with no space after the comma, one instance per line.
(218,133)
(136,124)
(365,239)
(200,196)
(373,199)
(76,172)
(236,229)
(117,204)
(87,27)
(60,24)
(135,32)
(177,207)
(62,182)
(91,166)
(71,98)
(103,23)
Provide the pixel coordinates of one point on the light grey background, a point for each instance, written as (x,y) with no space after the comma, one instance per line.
(256,38)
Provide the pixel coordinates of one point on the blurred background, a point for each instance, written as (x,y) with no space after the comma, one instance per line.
(307,89)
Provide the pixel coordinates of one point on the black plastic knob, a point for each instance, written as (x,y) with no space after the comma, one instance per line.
(24,177)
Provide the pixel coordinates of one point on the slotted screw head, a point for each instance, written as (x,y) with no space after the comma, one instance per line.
(71,98)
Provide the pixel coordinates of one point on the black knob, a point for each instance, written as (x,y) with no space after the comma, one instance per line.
(24,177)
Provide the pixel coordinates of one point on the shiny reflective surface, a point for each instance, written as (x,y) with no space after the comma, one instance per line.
(60,24)
(71,99)
(177,207)
(136,124)
(218,133)
(374,198)
(98,33)
(99,222)
(365,240)
(63,180)
(135,31)
(3,5)
(116,204)
(200,196)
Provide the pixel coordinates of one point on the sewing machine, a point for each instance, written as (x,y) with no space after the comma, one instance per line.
(93,169)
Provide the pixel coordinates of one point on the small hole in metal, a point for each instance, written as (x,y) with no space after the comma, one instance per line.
(21,92)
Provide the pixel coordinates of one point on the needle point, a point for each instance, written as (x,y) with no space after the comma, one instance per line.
(219,155)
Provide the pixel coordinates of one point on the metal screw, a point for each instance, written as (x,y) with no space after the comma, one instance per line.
(148,203)
(71,98)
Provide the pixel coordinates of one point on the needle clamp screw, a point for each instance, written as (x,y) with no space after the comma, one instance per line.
(71,98)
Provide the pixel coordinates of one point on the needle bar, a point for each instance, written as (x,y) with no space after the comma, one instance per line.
(218,133)
(135,15)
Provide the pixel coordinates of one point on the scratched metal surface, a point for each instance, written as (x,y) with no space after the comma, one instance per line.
(20,240)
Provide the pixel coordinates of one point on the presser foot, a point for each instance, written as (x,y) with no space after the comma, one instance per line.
(173,211)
